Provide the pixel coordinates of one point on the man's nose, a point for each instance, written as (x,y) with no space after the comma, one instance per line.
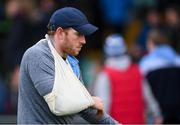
(83,40)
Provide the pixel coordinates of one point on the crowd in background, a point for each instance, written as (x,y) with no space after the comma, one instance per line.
(24,22)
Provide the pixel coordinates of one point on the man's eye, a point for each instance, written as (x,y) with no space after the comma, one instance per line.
(79,34)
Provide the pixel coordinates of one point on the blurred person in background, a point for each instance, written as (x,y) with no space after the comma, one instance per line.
(28,24)
(122,87)
(152,20)
(172,26)
(161,67)
(38,91)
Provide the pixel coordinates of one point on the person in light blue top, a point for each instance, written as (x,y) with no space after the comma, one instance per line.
(161,67)
(67,29)
(160,55)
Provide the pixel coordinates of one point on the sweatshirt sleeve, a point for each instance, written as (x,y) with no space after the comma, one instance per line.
(102,89)
(40,68)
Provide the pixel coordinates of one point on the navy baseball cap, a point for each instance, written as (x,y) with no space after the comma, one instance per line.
(71,17)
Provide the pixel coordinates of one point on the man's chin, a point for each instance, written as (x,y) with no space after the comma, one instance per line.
(75,54)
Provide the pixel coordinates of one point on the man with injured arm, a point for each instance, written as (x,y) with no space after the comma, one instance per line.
(51,90)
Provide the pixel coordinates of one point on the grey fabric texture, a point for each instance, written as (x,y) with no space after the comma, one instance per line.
(36,80)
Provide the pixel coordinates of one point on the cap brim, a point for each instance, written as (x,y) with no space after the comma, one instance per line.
(86,29)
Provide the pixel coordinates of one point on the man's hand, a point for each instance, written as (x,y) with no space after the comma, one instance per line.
(98,105)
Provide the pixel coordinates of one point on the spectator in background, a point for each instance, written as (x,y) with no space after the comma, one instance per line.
(122,87)
(152,20)
(29,23)
(172,26)
(161,54)
(162,70)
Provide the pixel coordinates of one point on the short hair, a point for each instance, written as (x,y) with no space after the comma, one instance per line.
(157,37)
(51,30)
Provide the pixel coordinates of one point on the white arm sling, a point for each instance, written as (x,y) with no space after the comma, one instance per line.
(69,95)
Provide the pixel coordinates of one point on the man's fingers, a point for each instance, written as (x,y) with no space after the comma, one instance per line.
(98,103)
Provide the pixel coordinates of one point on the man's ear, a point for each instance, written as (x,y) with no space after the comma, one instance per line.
(60,33)
(59,30)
